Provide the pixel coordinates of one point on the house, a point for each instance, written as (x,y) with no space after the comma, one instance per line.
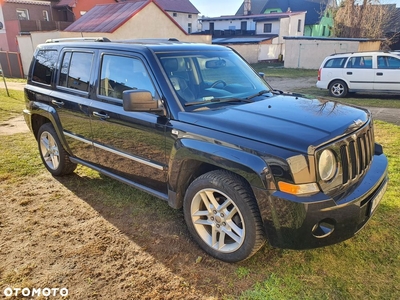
(318,18)
(256,37)
(72,10)
(19,17)
(183,11)
(130,20)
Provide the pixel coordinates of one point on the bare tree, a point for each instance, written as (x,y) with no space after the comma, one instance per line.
(362,19)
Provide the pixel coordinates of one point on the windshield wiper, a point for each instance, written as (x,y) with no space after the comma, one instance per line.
(218,100)
(260,93)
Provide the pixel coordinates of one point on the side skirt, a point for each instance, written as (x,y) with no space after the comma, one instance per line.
(138,186)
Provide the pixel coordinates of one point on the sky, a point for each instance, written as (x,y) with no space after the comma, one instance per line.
(217,8)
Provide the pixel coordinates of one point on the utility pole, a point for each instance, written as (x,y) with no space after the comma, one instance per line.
(4,79)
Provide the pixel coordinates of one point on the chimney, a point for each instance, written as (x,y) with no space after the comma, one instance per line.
(247,7)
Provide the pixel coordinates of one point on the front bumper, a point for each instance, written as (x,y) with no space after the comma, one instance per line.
(316,221)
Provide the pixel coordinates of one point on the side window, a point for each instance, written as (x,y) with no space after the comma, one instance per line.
(75,70)
(120,73)
(388,62)
(360,62)
(337,62)
(44,66)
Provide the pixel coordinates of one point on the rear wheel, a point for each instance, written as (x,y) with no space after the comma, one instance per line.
(223,217)
(52,153)
(338,88)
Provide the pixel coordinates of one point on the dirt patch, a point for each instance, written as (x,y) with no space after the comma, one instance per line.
(14,125)
(64,235)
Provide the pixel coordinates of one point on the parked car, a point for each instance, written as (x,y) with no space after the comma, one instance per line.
(196,126)
(360,72)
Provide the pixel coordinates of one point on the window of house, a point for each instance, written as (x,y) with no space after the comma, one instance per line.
(82,12)
(44,66)
(268,27)
(189,16)
(75,70)
(133,76)
(45,15)
(174,14)
(189,27)
(323,30)
(22,14)
(388,62)
(299,26)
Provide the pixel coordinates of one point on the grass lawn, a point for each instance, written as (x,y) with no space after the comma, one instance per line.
(364,267)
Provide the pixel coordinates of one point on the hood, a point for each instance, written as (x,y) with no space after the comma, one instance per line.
(288,122)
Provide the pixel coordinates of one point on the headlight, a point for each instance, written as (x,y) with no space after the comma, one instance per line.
(327,165)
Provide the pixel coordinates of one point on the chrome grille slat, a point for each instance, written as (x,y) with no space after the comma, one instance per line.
(356,154)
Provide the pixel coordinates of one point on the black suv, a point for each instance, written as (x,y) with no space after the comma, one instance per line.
(196,126)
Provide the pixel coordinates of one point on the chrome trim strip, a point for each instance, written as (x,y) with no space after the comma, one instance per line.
(128,156)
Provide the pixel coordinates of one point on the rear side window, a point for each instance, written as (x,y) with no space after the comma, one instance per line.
(75,70)
(43,68)
(337,62)
(360,62)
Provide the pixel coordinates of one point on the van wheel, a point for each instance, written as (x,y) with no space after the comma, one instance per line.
(338,89)
(223,217)
(53,155)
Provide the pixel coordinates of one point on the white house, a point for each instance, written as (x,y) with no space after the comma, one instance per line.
(256,37)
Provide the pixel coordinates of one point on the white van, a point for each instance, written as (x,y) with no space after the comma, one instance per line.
(360,72)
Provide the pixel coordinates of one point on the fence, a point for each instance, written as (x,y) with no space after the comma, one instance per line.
(11,64)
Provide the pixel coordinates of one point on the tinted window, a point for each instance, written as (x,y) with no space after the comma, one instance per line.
(44,66)
(120,73)
(360,62)
(75,70)
(337,62)
(388,62)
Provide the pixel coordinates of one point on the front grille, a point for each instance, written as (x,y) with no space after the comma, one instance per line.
(356,154)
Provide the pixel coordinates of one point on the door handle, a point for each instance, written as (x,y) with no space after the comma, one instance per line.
(379,74)
(349,73)
(58,103)
(101,116)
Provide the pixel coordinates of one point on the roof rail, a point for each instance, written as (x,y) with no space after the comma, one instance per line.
(355,52)
(82,39)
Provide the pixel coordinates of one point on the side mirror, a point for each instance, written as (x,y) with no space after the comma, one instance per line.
(139,100)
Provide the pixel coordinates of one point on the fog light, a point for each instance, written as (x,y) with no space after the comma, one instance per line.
(323,228)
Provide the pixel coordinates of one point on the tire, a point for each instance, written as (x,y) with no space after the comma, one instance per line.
(338,89)
(53,155)
(223,217)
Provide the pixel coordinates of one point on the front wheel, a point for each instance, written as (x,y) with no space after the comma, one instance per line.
(223,217)
(52,153)
(338,89)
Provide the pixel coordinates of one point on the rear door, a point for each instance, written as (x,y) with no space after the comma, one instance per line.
(387,75)
(359,72)
(71,100)
(128,144)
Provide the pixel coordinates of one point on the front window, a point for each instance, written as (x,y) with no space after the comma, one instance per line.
(388,62)
(212,78)
(116,79)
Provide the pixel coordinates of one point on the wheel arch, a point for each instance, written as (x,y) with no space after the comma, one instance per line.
(197,158)
(41,114)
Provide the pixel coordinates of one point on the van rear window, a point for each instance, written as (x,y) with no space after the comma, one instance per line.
(337,62)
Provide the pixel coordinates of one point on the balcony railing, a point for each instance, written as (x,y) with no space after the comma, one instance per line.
(38,25)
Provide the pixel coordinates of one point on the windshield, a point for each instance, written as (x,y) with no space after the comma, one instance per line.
(211,78)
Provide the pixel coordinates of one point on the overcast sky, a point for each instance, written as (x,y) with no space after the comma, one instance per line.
(216,8)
